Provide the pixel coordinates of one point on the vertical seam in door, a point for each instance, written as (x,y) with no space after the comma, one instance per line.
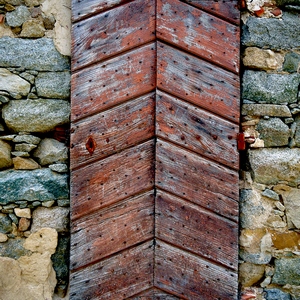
(155,141)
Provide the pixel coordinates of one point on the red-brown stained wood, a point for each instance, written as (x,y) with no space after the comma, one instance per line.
(189,227)
(112,82)
(85,8)
(192,177)
(154,294)
(197,130)
(113,130)
(198,81)
(112,229)
(118,277)
(113,32)
(199,32)
(154,218)
(112,179)
(227,9)
(190,277)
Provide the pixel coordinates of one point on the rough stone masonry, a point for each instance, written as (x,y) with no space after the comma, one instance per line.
(35,112)
(34,191)
(270,167)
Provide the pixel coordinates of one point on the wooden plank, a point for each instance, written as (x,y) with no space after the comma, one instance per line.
(118,128)
(197,130)
(112,82)
(198,81)
(190,277)
(189,227)
(85,8)
(113,32)
(117,277)
(112,229)
(199,32)
(202,182)
(112,179)
(228,9)
(156,294)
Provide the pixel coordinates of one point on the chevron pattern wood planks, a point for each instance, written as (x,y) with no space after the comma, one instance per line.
(154,181)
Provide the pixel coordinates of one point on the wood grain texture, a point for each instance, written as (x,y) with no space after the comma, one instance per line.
(197,130)
(202,182)
(113,32)
(189,227)
(227,10)
(85,8)
(118,277)
(112,82)
(112,179)
(154,294)
(198,82)
(113,130)
(112,229)
(199,32)
(154,182)
(190,277)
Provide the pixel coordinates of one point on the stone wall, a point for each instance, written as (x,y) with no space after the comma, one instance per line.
(270,167)
(34,190)
(34,122)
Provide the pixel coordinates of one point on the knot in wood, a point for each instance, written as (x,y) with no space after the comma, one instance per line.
(90,145)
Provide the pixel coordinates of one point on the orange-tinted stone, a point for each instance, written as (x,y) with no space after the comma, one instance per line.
(282,240)
(24,224)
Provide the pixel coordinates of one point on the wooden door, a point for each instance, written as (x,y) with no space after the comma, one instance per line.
(154,160)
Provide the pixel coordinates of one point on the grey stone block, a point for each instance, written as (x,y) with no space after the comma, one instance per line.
(35,185)
(253,211)
(270,194)
(273,132)
(50,151)
(41,115)
(297,132)
(291,62)
(276,294)
(271,110)
(54,217)
(60,260)
(18,16)
(287,271)
(13,248)
(273,165)
(53,85)
(263,87)
(272,33)
(5,223)
(39,54)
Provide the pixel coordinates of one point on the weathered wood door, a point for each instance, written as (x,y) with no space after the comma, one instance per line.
(155,113)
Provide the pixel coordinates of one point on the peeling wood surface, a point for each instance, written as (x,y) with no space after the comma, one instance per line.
(191,277)
(228,10)
(199,32)
(156,294)
(112,179)
(117,277)
(120,127)
(154,182)
(85,8)
(197,130)
(188,226)
(113,32)
(112,82)
(202,182)
(198,82)
(112,229)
